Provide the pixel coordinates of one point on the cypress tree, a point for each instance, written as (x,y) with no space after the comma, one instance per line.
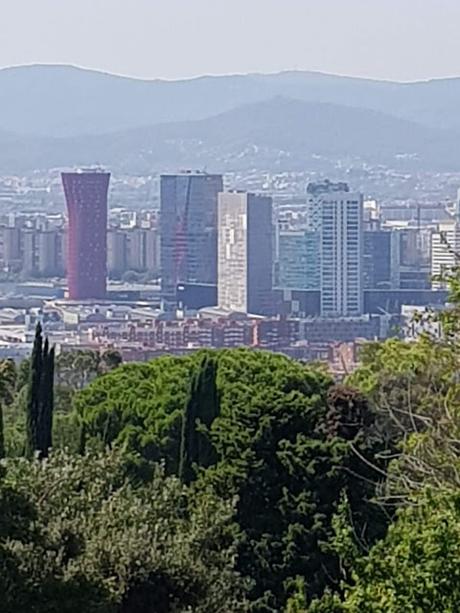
(41,435)
(40,397)
(47,400)
(2,435)
(200,411)
(33,394)
(188,438)
(82,439)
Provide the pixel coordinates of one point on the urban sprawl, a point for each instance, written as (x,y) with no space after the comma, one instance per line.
(182,261)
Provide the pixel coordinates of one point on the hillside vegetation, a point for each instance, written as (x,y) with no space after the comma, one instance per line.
(234,480)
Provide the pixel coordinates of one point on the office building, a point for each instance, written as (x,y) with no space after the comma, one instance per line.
(337,214)
(152,251)
(48,259)
(136,249)
(86,194)
(29,253)
(411,258)
(245,253)
(116,253)
(377,259)
(457,207)
(10,248)
(445,252)
(188,230)
(307,303)
(298,259)
(316,192)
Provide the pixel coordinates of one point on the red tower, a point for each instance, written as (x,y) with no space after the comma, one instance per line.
(86,194)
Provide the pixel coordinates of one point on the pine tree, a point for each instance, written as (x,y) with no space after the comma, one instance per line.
(201,409)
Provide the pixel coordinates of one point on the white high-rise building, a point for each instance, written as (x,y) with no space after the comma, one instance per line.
(245,252)
(445,252)
(337,214)
(315,195)
(454,208)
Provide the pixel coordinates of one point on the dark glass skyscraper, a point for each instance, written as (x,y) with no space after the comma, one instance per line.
(188,231)
(86,194)
(377,259)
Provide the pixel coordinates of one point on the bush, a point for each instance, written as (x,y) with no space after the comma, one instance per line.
(86,537)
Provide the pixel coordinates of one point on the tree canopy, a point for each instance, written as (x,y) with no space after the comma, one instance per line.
(238,480)
(78,534)
(275,441)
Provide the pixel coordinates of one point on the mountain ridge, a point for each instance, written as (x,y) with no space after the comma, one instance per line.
(58,100)
(276,73)
(279,133)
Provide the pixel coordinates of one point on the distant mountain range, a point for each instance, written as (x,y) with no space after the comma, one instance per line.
(60,116)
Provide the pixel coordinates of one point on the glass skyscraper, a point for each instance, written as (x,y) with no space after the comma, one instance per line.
(299,263)
(188,226)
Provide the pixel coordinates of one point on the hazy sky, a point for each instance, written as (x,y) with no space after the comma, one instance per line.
(395,39)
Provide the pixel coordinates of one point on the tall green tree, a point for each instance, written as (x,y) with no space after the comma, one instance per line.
(8,376)
(201,410)
(2,434)
(33,394)
(40,397)
(47,400)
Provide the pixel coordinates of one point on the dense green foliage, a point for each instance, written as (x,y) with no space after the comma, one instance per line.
(77,534)
(258,426)
(7,386)
(416,568)
(76,369)
(72,372)
(234,481)
(414,388)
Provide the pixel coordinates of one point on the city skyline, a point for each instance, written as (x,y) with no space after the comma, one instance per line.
(396,49)
(309,275)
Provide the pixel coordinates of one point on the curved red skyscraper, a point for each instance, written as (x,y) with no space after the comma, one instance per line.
(86,194)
